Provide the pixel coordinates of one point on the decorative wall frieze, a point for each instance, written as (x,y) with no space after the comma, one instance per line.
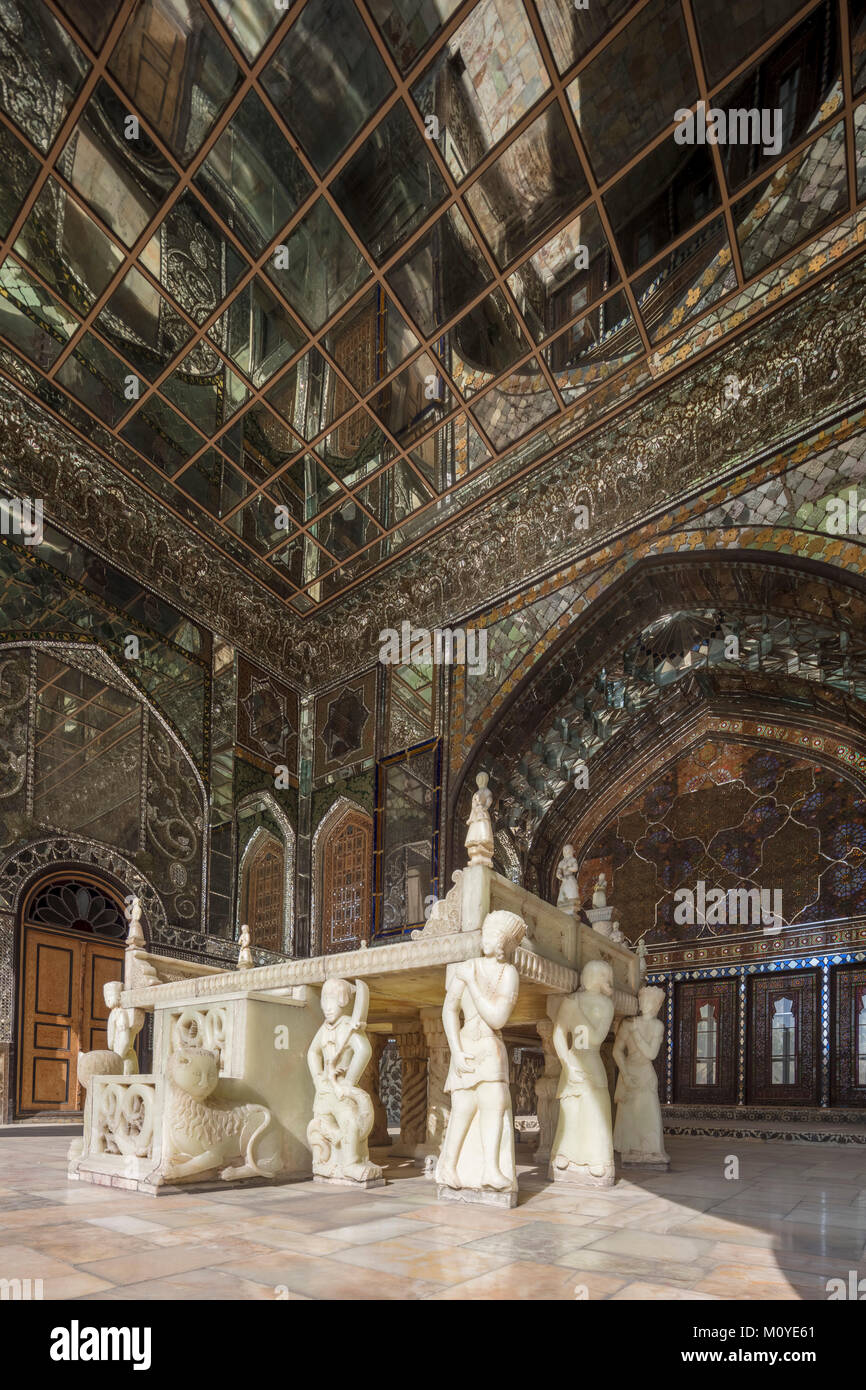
(839,938)
(796,369)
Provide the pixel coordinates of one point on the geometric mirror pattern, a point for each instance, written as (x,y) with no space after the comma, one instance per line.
(314,327)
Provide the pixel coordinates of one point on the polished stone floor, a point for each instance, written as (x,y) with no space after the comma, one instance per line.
(793,1219)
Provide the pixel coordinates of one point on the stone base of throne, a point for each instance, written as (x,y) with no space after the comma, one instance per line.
(582,1175)
(487,1196)
(142,1175)
(642,1160)
(361,1184)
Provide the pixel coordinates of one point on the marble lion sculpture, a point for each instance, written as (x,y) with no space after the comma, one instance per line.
(202,1132)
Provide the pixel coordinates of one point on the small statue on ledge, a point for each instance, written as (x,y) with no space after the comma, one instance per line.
(245,955)
(566,872)
(132,913)
(479,837)
(599,892)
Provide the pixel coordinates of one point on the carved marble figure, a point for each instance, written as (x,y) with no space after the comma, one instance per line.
(101,1062)
(124,1026)
(478,1149)
(638,1134)
(342,1110)
(599,892)
(566,871)
(582,1150)
(132,913)
(479,836)
(203,1133)
(245,955)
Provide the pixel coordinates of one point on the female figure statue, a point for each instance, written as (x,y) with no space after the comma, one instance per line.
(599,892)
(478,1150)
(479,837)
(566,872)
(639,1134)
(582,1149)
(342,1111)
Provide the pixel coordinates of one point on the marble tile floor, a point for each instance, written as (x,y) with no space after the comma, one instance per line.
(794,1218)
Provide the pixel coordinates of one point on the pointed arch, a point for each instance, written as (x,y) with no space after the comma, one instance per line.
(342,864)
(266,878)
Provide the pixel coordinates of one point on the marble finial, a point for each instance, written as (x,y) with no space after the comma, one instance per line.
(599,892)
(135,936)
(566,872)
(479,837)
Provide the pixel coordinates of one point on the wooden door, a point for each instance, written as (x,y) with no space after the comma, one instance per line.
(783,1039)
(705,1050)
(62,1013)
(848,1074)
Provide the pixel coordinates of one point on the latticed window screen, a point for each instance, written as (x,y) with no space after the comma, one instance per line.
(264,894)
(346,883)
(783,1035)
(707,1044)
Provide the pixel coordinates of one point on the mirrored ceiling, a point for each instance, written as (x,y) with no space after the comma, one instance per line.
(317,276)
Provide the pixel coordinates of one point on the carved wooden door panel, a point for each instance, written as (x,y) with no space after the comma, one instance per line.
(62,1013)
(848,1073)
(705,1047)
(782,1034)
(346,884)
(50,1013)
(101,964)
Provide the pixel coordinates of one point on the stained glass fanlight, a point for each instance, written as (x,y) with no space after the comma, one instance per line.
(74,905)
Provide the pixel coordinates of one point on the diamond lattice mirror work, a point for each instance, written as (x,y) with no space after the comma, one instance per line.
(262,270)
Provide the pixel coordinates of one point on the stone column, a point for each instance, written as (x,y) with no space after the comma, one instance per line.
(513,1074)
(438,1101)
(369,1082)
(545,1092)
(413,1103)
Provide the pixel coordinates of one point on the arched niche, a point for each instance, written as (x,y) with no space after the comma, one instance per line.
(266,873)
(342,878)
